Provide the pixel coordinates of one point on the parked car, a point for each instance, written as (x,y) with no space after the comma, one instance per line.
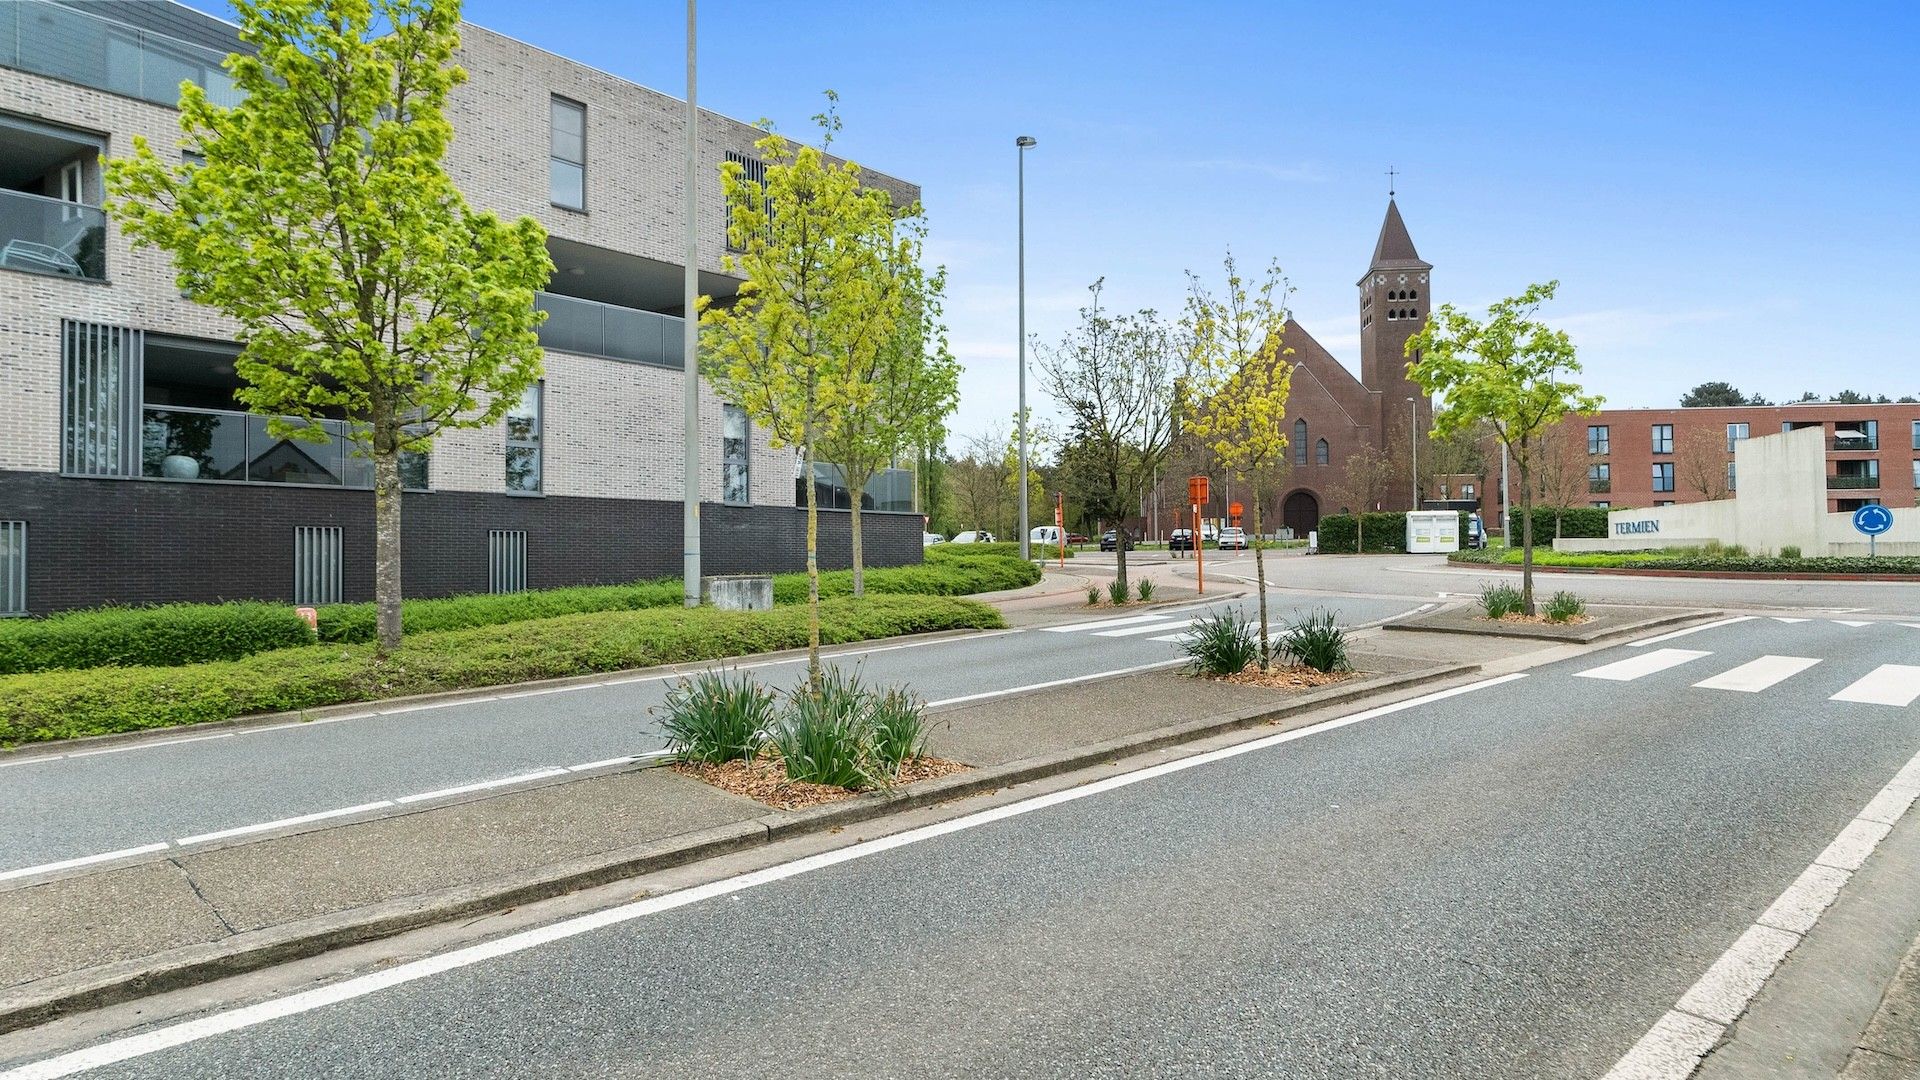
(1111,540)
(928,539)
(1233,538)
(1044,536)
(972,536)
(1180,540)
(1476,532)
(1077,538)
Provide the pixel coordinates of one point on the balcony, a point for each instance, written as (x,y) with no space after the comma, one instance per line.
(1852,483)
(1853,442)
(1599,487)
(51,236)
(209,444)
(617,333)
(78,47)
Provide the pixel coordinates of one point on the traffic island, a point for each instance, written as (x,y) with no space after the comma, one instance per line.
(1602,623)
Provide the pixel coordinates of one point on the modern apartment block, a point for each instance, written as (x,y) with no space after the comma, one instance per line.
(128,472)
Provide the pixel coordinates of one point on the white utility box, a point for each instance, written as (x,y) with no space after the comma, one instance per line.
(1431,531)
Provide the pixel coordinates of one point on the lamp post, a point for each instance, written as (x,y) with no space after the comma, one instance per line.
(1413,446)
(1023,143)
(690,362)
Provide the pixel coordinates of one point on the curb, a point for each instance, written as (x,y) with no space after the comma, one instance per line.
(1598,634)
(1655,572)
(56,996)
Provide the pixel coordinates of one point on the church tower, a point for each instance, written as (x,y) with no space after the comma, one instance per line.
(1395,298)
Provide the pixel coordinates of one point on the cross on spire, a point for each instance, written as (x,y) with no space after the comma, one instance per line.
(1391,173)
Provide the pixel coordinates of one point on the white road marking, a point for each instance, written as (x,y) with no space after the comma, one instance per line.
(164,1038)
(68,864)
(1852,622)
(1692,630)
(1888,684)
(1756,675)
(1688,1031)
(1135,670)
(243,830)
(537,774)
(1785,619)
(1634,667)
(149,745)
(1136,631)
(1911,625)
(1103,624)
(606,764)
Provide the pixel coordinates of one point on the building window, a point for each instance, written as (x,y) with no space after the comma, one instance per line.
(1735,433)
(13,568)
(1663,502)
(1916,434)
(1322,453)
(523,441)
(1663,439)
(316,565)
(1466,491)
(1299,442)
(1601,504)
(734,456)
(1663,476)
(567,169)
(1916,475)
(507,560)
(1599,439)
(1862,436)
(1731,480)
(754,170)
(1599,478)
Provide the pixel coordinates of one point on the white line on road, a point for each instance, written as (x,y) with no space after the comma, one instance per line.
(1756,675)
(1856,623)
(149,746)
(1136,631)
(1888,684)
(1135,670)
(1692,630)
(523,778)
(133,1046)
(1634,667)
(1785,619)
(303,819)
(68,864)
(607,763)
(1103,624)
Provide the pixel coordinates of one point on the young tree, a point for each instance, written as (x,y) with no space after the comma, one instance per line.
(815,308)
(322,219)
(1701,462)
(912,381)
(1560,472)
(1508,371)
(1114,377)
(979,481)
(1234,398)
(1370,473)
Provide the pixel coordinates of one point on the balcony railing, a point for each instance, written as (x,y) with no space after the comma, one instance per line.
(1599,487)
(1853,482)
(1854,442)
(211,444)
(64,43)
(618,333)
(51,236)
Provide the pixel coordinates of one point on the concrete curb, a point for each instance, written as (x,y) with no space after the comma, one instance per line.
(1731,575)
(1590,637)
(47,999)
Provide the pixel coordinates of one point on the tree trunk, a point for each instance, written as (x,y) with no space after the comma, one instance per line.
(1360,533)
(813,563)
(1120,558)
(859,566)
(386,544)
(1260,578)
(1526,538)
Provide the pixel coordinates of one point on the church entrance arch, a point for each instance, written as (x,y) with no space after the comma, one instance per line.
(1301,513)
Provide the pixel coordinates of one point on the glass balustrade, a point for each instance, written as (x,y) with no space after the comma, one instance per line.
(209,444)
(619,333)
(52,236)
(80,47)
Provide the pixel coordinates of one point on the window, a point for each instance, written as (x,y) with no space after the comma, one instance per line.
(1663,502)
(1916,434)
(1466,491)
(13,568)
(1663,476)
(1735,433)
(1601,504)
(751,169)
(567,169)
(507,560)
(1322,453)
(1599,438)
(523,442)
(1299,442)
(316,565)
(1730,476)
(1662,439)
(1599,478)
(734,456)
(1916,475)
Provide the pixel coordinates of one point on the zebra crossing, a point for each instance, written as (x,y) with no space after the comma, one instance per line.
(1166,627)
(1897,685)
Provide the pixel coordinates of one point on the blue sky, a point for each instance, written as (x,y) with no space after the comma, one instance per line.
(1723,191)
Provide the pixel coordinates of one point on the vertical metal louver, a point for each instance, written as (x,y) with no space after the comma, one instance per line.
(316,565)
(101,380)
(506,560)
(13,568)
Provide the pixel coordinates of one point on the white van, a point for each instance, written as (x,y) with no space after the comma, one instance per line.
(1044,536)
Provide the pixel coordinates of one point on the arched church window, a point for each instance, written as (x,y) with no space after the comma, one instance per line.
(1299,442)
(1322,453)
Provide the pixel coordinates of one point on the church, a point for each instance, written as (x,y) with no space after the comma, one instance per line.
(1330,413)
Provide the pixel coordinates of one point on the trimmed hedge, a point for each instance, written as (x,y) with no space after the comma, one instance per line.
(1583,522)
(68,704)
(937,577)
(1612,560)
(165,635)
(999,547)
(356,622)
(1385,532)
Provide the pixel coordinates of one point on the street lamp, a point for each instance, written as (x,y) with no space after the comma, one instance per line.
(1413,444)
(1024,143)
(690,344)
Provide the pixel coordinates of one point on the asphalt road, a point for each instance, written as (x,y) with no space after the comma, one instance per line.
(100,803)
(1511,882)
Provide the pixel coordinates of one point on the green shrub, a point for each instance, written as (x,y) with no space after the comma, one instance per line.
(1790,551)
(1220,644)
(1500,601)
(1563,606)
(1093,596)
(1385,532)
(1145,589)
(900,730)
(66,704)
(824,736)
(940,575)
(1679,559)
(1117,591)
(1584,522)
(716,717)
(163,636)
(1316,641)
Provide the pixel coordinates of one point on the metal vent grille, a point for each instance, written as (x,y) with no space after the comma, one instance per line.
(100,399)
(316,565)
(506,560)
(13,568)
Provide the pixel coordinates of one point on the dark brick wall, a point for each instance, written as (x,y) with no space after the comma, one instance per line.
(93,542)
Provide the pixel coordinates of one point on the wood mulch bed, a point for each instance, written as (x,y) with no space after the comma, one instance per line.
(1537,620)
(764,780)
(1298,677)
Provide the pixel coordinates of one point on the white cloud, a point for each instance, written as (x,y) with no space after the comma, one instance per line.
(1614,327)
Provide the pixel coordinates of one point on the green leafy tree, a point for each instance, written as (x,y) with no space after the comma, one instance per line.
(1234,397)
(1113,376)
(815,307)
(1369,474)
(912,380)
(1710,394)
(1509,371)
(322,219)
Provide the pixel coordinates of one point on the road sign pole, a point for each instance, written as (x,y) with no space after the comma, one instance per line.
(1199,559)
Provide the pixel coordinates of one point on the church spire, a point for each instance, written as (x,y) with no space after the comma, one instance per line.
(1395,247)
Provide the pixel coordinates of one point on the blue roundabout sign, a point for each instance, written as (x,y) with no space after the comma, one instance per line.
(1873,520)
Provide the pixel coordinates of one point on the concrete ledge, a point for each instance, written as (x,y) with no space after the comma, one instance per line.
(1450,620)
(42,1000)
(1729,575)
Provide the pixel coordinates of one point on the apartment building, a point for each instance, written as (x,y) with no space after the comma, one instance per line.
(128,472)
